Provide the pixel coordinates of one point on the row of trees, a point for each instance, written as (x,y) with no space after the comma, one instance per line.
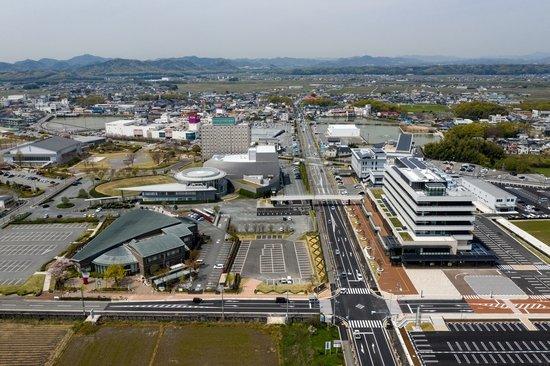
(477,110)
(377,105)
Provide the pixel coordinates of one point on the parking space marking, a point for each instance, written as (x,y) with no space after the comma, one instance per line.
(26,249)
(29,236)
(503,246)
(14,265)
(240,258)
(304,263)
(272,259)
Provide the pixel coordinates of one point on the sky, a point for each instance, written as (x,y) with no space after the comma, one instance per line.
(149,29)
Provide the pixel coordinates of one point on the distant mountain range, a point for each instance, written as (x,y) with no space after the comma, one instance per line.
(93,66)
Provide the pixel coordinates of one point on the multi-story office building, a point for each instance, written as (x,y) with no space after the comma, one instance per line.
(224,136)
(369,164)
(430,213)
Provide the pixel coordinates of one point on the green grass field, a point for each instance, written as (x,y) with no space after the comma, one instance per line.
(543,171)
(540,229)
(227,344)
(112,188)
(299,346)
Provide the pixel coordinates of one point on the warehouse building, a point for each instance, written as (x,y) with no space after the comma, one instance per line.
(142,241)
(490,196)
(53,150)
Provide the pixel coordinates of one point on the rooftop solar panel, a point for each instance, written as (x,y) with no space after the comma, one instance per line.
(404,143)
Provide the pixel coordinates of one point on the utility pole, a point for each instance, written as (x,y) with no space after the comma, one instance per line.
(287,305)
(223,314)
(82,298)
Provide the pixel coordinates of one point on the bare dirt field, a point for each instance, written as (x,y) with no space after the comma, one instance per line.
(29,344)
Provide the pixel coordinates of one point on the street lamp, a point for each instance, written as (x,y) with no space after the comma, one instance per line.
(223,314)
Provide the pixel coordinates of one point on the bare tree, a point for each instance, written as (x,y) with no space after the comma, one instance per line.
(129,159)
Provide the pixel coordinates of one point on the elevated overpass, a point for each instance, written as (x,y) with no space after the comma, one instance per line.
(317,198)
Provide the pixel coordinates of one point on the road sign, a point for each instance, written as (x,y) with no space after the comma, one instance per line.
(328,345)
(337,343)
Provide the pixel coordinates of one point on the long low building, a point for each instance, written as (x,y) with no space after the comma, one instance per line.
(142,241)
(200,184)
(53,150)
(490,196)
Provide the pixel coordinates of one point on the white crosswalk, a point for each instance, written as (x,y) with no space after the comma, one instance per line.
(355,291)
(357,324)
(471,296)
(542,267)
(539,297)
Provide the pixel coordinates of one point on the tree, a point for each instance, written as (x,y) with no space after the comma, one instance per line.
(82,193)
(116,272)
(19,157)
(65,200)
(216,209)
(157,156)
(477,110)
(129,159)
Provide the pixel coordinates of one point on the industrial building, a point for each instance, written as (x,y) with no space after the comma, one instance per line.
(142,129)
(224,136)
(53,150)
(430,215)
(369,164)
(142,241)
(490,196)
(343,131)
(202,184)
(260,165)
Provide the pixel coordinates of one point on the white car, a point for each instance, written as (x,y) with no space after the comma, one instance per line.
(359,276)
(218,266)
(356,334)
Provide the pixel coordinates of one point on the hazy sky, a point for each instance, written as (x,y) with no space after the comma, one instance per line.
(146,29)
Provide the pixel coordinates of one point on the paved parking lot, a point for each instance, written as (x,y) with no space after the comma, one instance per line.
(508,250)
(493,285)
(482,347)
(24,248)
(544,326)
(533,283)
(486,326)
(272,259)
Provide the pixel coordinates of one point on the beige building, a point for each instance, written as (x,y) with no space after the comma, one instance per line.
(223,137)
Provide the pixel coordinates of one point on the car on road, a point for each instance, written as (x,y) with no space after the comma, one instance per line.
(281,300)
(197,300)
(218,266)
(333,208)
(356,334)
(359,276)
(337,252)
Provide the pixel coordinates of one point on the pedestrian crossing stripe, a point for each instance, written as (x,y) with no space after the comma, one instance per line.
(542,267)
(355,290)
(540,297)
(505,266)
(356,324)
(471,296)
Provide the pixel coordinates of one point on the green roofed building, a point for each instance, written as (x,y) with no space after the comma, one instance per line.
(143,241)
(223,121)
